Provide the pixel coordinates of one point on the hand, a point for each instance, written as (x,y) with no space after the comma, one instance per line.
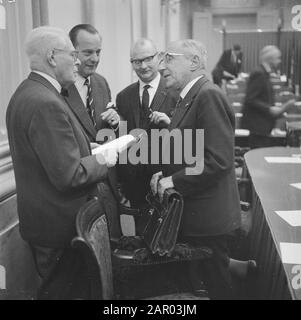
(154,182)
(108,157)
(157,117)
(163,184)
(111,117)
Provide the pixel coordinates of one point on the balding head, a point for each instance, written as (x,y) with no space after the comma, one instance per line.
(144,59)
(40,41)
(50,50)
(184,61)
(270,55)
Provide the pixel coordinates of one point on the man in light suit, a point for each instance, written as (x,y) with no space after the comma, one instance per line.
(54,170)
(155,113)
(211,200)
(91,90)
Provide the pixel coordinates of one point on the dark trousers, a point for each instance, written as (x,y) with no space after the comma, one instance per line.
(214,272)
(63,272)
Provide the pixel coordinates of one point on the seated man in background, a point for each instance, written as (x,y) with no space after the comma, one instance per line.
(54,170)
(259,112)
(211,199)
(228,66)
(145,104)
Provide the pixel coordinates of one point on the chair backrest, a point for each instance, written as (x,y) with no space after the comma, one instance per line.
(94,242)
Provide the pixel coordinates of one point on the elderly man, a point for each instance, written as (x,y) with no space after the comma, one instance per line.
(54,170)
(211,200)
(145,104)
(260,113)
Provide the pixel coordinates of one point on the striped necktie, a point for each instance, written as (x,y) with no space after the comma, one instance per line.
(89,102)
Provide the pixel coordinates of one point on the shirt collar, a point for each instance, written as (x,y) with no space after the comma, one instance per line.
(267,67)
(154,83)
(53,81)
(189,86)
(80,80)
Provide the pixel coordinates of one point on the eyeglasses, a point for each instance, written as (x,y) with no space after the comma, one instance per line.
(73,53)
(169,56)
(138,62)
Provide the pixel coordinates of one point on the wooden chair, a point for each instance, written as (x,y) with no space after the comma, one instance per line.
(94,243)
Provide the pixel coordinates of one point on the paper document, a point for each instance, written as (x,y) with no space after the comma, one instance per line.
(292,217)
(296,185)
(119,144)
(290,252)
(283,159)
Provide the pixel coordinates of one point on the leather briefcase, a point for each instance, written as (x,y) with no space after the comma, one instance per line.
(160,222)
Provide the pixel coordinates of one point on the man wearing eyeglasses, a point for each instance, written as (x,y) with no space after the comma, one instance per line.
(54,170)
(211,200)
(145,104)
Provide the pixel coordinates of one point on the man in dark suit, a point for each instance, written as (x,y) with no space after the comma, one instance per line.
(211,200)
(89,98)
(228,66)
(90,95)
(146,104)
(54,170)
(260,113)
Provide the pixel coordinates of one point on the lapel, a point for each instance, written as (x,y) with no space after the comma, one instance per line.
(135,104)
(159,96)
(36,77)
(76,104)
(186,103)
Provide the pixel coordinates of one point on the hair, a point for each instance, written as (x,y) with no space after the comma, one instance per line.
(141,43)
(268,52)
(236,47)
(195,48)
(76,29)
(40,40)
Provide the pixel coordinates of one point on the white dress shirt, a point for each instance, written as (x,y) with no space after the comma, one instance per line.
(82,88)
(53,81)
(189,85)
(154,84)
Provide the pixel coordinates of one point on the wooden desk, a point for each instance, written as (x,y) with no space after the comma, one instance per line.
(272,192)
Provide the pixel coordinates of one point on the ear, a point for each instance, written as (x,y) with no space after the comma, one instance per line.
(51,58)
(195,63)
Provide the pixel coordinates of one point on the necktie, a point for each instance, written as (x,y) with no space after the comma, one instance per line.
(64,92)
(90,108)
(145,100)
(177,106)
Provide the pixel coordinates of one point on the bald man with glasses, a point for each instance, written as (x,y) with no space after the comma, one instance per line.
(145,104)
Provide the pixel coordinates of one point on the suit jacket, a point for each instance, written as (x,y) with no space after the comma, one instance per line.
(259,98)
(135,179)
(211,200)
(54,170)
(101,96)
(226,63)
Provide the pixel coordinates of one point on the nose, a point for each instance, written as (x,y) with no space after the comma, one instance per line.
(77,62)
(94,57)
